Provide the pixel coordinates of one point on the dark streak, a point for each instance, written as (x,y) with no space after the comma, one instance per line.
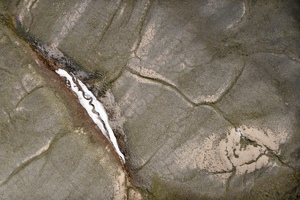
(109,23)
(27,94)
(141,25)
(233,83)
(166,84)
(28,162)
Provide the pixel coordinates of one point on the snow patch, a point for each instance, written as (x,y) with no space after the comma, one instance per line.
(93,107)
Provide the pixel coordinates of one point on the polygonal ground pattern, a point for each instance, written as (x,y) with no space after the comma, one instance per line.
(49,148)
(203,94)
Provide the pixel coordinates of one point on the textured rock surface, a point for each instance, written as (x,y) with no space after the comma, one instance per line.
(204,95)
(49,148)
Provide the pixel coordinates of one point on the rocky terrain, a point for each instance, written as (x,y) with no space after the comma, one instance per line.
(202,96)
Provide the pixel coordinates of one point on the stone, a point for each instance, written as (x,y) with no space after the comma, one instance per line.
(49,149)
(202,95)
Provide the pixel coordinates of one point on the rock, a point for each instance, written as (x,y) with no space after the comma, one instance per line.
(203,95)
(49,148)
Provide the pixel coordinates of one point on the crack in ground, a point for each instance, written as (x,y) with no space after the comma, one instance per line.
(149,159)
(141,25)
(109,22)
(56,61)
(187,99)
(229,179)
(230,86)
(273,154)
(28,94)
(94,109)
(221,114)
(37,155)
(165,84)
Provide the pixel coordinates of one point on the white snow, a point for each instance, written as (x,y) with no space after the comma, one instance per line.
(93,107)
